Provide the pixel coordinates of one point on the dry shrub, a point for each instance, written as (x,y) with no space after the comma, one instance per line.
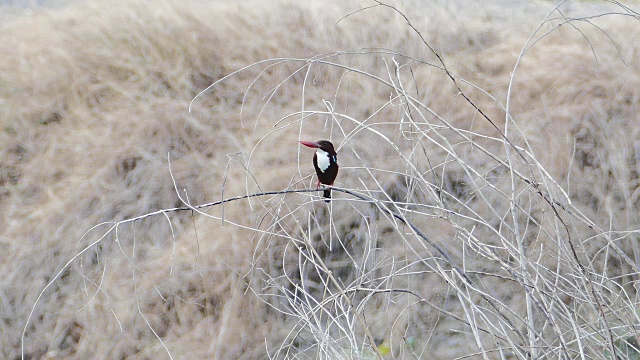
(443,239)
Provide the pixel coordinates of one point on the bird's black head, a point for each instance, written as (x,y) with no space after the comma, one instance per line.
(322,144)
(326,146)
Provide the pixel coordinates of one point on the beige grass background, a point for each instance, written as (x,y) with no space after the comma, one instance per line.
(94,99)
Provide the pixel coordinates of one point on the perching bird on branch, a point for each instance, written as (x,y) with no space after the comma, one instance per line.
(325,161)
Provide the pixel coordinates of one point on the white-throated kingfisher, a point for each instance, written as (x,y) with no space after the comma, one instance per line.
(325,161)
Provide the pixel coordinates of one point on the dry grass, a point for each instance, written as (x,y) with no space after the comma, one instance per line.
(443,240)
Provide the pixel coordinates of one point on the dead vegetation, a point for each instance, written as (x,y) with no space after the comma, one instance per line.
(444,240)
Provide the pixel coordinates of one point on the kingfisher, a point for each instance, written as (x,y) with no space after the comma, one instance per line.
(325,161)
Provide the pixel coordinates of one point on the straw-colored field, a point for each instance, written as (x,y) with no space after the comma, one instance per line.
(456,230)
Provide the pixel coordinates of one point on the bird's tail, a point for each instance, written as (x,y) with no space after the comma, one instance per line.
(327,194)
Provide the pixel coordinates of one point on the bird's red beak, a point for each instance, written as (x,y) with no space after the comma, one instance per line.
(310,144)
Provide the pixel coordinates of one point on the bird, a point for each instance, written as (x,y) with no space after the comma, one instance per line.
(325,160)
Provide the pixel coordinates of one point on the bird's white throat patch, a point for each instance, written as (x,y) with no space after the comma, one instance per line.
(323,160)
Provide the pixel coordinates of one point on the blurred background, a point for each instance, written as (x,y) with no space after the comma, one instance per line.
(525,248)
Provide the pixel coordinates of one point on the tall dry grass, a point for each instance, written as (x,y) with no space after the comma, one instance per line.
(444,240)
